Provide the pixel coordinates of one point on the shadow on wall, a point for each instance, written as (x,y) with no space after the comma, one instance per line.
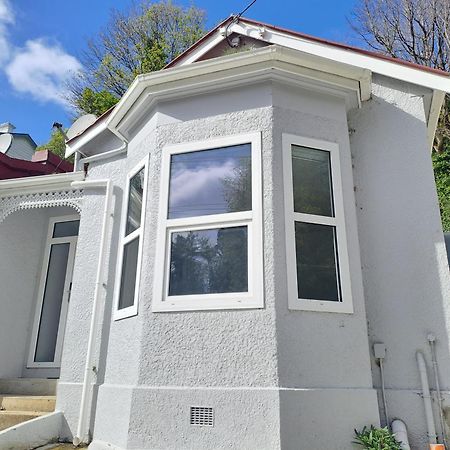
(447,245)
(402,253)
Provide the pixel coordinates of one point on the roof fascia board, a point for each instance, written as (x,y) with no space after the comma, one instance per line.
(382,67)
(231,69)
(150,97)
(39,184)
(388,68)
(437,101)
(84,138)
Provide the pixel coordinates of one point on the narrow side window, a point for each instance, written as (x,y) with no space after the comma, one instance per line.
(316,245)
(129,257)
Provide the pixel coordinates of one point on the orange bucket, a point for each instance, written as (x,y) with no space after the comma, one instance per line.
(437,447)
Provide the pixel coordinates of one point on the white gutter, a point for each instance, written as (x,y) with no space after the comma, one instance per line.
(431,428)
(82,435)
(105,155)
(40,183)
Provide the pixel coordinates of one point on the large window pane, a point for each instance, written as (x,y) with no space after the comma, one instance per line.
(52,303)
(312,181)
(210,182)
(316,262)
(66,229)
(135,202)
(209,261)
(128,277)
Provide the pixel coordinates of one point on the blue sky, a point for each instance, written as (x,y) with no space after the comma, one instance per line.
(41,40)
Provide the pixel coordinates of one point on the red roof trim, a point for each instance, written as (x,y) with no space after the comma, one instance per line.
(19,168)
(318,40)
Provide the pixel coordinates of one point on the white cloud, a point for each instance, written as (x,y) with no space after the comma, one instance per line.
(6,18)
(42,70)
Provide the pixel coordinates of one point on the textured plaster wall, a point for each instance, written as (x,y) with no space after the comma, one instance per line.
(22,242)
(322,357)
(404,263)
(153,367)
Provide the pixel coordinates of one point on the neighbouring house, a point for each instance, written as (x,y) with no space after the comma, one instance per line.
(242,228)
(16,145)
(19,158)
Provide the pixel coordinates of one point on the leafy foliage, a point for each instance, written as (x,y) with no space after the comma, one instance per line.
(56,144)
(376,439)
(91,102)
(441,163)
(138,41)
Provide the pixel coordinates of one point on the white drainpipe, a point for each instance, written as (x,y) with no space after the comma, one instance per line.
(82,435)
(401,434)
(431,428)
(432,341)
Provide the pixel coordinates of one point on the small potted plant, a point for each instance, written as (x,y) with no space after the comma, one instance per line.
(376,439)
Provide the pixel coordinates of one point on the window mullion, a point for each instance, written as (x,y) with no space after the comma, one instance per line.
(311,218)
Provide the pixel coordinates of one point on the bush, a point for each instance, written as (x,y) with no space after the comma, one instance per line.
(376,439)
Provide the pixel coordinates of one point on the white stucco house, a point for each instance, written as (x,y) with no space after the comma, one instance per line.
(240,231)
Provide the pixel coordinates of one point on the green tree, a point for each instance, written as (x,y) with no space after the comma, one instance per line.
(91,102)
(141,40)
(418,31)
(56,144)
(441,163)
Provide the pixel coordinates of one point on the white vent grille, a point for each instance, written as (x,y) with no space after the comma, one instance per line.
(202,416)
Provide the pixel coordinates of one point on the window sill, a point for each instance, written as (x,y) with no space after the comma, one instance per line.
(214,305)
(321,306)
(125,313)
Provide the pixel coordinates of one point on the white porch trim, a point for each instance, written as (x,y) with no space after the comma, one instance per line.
(44,191)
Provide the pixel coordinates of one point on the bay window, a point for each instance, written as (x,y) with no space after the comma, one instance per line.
(209,246)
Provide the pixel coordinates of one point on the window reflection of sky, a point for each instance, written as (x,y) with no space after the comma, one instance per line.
(197,180)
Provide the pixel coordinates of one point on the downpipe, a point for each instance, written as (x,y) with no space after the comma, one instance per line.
(432,341)
(401,434)
(426,395)
(82,435)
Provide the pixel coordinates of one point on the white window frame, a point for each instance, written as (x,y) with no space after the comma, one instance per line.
(254,298)
(124,240)
(50,241)
(338,221)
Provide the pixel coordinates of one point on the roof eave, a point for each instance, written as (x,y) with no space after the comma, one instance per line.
(218,70)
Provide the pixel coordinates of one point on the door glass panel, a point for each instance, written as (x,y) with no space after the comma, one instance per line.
(136,192)
(209,261)
(52,302)
(129,268)
(316,262)
(66,229)
(311,172)
(210,182)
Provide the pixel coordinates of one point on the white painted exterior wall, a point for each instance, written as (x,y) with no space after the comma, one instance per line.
(276,378)
(405,268)
(262,370)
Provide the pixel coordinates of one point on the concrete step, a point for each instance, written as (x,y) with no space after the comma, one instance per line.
(11,418)
(28,386)
(27,403)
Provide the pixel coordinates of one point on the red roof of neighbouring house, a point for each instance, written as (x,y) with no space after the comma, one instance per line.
(43,163)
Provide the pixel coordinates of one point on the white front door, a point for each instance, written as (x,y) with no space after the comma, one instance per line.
(54,293)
